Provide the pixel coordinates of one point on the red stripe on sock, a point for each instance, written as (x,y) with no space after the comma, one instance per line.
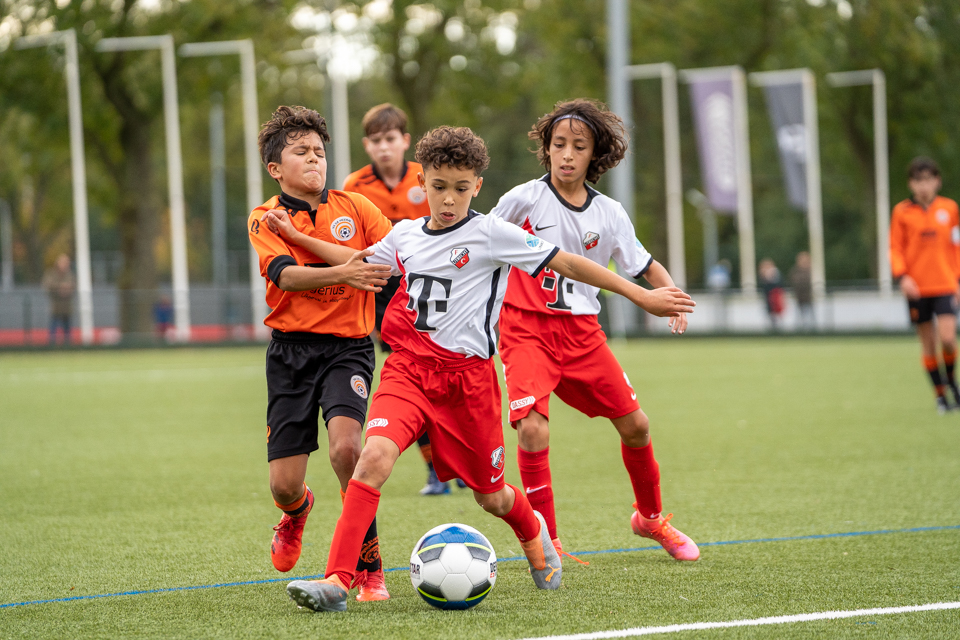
(644,476)
(930,363)
(949,357)
(359,510)
(521,518)
(537,484)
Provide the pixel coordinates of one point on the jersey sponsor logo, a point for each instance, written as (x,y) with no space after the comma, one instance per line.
(496,459)
(590,240)
(255,226)
(943,217)
(522,402)
(343,228)
(359,386)
(459,256)
(423,299)
(534,242)
(416,195)
(377,422)
(553,281)
(539,228)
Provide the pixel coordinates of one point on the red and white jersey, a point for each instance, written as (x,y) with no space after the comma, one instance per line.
(453,283)
(599,230)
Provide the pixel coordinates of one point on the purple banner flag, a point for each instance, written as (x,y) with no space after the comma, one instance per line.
(785,103)
(716,140)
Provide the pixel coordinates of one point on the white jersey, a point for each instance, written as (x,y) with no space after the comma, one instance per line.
(453,284)
(600,230)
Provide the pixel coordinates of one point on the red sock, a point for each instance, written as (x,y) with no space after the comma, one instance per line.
(359,510)
(535,476)
(521,518)
(645,478)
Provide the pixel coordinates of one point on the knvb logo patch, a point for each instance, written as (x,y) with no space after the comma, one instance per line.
(460,256)
(590,240)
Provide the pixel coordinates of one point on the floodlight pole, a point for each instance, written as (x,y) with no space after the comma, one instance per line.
(81,227)
(171,116)
(745,233)
(6,247)
(671,157)
(812,153)
(881,167)
(248,82)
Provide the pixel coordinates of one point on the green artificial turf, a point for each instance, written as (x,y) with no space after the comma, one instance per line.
(146,470)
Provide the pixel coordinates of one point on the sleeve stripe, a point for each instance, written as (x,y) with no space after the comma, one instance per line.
(645,269)
(546,261)
(277,265)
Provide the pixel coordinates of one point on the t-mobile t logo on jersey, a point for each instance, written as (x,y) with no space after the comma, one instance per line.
(459,257)
(423,298)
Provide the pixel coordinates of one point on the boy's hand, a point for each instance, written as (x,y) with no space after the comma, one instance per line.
(678,323)
(360,275)
(667,302)
(278,221)
(909,288)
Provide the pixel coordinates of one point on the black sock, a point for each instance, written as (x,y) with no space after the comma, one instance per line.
(370,551)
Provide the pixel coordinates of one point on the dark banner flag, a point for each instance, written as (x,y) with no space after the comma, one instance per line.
(713,119)
(785,103)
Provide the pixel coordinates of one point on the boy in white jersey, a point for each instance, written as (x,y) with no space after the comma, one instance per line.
(440,378)
(550,340)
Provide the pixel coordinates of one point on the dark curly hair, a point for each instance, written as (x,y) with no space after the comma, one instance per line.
(606,127)
(922,164)
(457,147)
(287,125)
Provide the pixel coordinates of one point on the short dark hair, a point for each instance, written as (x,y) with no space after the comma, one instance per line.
(609,135)
(384,117)
(457,147)
(285,126)
(922,164)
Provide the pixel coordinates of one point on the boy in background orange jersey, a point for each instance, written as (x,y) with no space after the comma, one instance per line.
(320,356)
(390,182)
(925,257)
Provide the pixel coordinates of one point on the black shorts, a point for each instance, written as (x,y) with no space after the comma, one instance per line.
(307,373)
(924,309)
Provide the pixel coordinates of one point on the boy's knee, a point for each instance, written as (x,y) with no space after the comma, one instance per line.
(285,491)
(344,454)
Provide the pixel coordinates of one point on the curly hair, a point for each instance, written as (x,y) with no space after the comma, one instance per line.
(287,125)
(457,147)
(606,127)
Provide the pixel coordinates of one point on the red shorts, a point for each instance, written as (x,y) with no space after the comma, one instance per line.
(459,408)
(567,355)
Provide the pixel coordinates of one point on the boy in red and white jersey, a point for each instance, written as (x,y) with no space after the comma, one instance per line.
(550,339)
(440,378)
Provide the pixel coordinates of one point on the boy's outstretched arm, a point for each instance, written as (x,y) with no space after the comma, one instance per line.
(278,221)
(664,302)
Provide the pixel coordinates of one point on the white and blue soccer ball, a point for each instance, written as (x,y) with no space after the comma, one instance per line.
(453,566)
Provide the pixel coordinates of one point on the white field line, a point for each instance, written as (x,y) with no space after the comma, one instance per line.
(756,622)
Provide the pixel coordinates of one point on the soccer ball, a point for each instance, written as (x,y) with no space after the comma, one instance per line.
(453,566)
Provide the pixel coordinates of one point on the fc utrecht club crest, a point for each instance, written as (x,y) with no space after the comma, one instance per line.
(459,257)
(496,458)
(590,240)
(343,228)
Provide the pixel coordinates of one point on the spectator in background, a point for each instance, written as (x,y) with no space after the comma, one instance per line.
(772,290)
(163,316)
(802,287)
(59,284)
(718,278)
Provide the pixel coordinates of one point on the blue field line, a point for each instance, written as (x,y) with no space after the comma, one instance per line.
(821,536)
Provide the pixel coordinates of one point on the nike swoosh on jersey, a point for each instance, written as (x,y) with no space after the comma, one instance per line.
(539,228)
(495,478)
(528,490)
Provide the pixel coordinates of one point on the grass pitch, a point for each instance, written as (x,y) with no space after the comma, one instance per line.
(143,471)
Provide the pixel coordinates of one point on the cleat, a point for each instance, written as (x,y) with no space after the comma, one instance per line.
(545,567)
(372,587)
(942,405)
(677,544)
(319,595)
(560,552)
(286,544)
(955,391)
(463,485)
(434,487)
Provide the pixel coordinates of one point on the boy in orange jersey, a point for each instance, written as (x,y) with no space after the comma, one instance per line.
(925,256)
(321,356)
(390,182)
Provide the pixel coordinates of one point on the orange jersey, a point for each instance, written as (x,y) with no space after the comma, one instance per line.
(343,218)
(925,245)
(405,201)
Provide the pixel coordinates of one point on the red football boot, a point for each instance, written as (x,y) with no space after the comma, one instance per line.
(286,545)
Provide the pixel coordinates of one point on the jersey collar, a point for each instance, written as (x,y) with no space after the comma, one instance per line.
(295,205)
(403,174)
(471,214)
(591,194)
